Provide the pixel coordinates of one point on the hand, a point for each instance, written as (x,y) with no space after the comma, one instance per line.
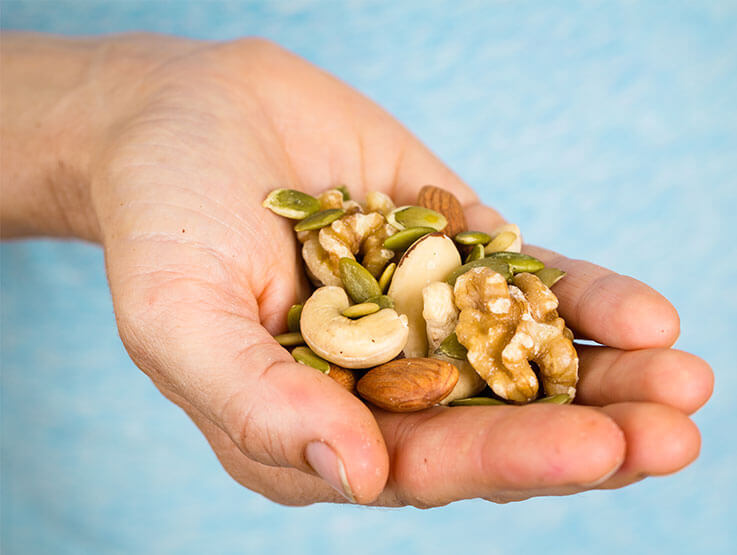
(202,276)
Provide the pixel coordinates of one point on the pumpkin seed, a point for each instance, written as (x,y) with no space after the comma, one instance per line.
(292,204)
(499,266)
(346,193)
(474,401)
(472,238)
(360,310)
(452,348)
(476,253)
(293,316)
(358,281)
(416,216)
(386,276)
(319,219)
(518,262)
(560,399)
(550,276)
(501,242)
(384,301)
(401,240)
(308,358)
(289,339)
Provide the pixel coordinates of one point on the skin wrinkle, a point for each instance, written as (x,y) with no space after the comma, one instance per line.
(226,277)
(214,219)
(603,391)
(293,177)
(592,289)
(69,203)
(150,316)
(392,187)
(266,298)
(168,125)
(240,427)
(361,158)
(254,236)
(405,428)
(486,437)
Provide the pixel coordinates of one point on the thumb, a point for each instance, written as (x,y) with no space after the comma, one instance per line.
(277,412)
(282,413)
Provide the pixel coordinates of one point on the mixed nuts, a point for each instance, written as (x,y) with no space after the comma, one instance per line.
(412,309)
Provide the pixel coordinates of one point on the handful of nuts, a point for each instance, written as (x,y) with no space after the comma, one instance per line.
(400,317)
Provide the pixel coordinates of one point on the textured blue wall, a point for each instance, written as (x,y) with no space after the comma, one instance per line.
(608,131)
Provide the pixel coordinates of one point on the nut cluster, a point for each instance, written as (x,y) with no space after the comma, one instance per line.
(412,309)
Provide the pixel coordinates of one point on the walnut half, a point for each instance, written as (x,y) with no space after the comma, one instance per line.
(504,327)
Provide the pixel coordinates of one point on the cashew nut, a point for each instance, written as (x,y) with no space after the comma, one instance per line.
(441,315)
(362,343)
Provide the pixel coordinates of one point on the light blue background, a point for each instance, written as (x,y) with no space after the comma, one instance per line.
(608,131)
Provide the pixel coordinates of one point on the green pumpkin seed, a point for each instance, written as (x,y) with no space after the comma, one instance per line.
(501,242)
(346,193)
(289,339)
(386,276)
(360,310)
(475,401)
(550,276)
(477,252)
(452,348)
(401,240)
(518,262)
(498,266)
(472,238)
(358,281)
(384,301)
(560,399)
(319,219)
(308,358)
(417,216)
(292,204)
(293,316)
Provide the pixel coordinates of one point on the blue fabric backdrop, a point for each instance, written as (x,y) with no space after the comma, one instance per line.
(608,131)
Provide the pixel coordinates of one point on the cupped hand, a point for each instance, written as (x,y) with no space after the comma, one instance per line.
(202,277)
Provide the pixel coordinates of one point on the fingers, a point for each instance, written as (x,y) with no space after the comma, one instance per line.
(670,377)
(498,453)
(599,304)
(660,440)
(446,454)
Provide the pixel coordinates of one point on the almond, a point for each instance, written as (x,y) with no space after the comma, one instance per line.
(447,204)
(343,376)
(408,384)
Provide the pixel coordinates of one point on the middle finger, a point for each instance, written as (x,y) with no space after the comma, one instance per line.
(667,376)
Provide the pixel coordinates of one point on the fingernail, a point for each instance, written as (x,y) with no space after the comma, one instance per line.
(604,478)
(323,460)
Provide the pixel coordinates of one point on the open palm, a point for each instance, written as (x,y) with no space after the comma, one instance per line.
(202,276)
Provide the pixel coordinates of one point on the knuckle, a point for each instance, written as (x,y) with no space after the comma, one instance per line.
(246,418)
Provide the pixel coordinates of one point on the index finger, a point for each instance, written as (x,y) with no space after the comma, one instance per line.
(611,308)
(597,303)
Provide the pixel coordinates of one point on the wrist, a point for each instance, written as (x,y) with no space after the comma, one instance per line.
(61,99)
